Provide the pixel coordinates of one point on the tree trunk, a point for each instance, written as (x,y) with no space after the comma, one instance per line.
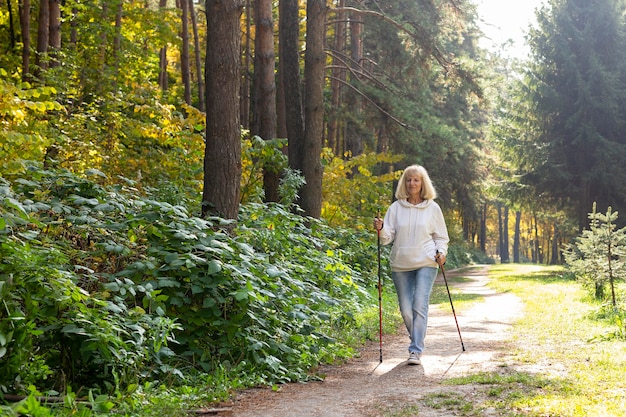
(353,140)
(163,81)
(41,60)
(554,259)
(504,254)
(117,43)
(184,52)
(54,38)
(265,89)
(196,43)
(12,39)
(289,33)
(338,78)
(244,97)
(314,63)
(222,157)
(24,7)
(516,238)
(483,228)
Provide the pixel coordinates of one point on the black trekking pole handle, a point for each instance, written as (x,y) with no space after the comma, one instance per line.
(443,272)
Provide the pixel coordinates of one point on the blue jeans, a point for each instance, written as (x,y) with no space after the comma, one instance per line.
(413,289)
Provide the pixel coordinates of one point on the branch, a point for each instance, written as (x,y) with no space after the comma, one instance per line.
(383,111)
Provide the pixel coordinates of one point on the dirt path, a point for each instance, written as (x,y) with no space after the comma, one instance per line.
(365,388)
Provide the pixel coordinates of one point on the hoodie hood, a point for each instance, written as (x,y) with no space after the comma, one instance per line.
(423,204)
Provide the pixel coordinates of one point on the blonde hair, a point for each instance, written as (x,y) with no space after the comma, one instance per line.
(428,190)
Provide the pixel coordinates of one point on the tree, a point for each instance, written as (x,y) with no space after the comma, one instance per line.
(309,151)
(198,60)
(577,85)
(597,255)
(222,158)
(24,7)
(185,65)
(264,124)
(289,67)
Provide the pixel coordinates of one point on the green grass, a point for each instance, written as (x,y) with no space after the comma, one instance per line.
(562,363)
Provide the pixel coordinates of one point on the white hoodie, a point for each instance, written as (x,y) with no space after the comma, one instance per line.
(417,232)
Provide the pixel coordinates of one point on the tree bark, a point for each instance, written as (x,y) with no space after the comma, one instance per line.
(117,43)
(196,43)
(338,78)
(289,36)
(314,64)
(184,52)
(163,81)
(24,7)
(504,255)
(222,157)
(244,98)
(265,90)
(43,32)
(54,38)
(516,238)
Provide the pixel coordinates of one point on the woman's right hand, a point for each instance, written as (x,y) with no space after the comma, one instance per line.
(378,223)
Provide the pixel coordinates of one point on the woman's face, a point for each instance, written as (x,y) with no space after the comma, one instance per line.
(413,184)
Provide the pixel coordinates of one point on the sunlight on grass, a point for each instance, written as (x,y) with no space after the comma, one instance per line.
(563,366)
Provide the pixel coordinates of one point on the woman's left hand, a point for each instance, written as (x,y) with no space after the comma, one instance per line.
(440,258)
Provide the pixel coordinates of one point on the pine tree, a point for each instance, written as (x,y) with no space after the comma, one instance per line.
(597,256)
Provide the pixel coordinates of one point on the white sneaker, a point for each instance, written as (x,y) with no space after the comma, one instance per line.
(414,359)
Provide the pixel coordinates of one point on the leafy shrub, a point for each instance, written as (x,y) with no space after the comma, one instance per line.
(55,330)
(103,287)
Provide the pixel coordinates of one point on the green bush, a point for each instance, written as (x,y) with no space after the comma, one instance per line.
(103,287)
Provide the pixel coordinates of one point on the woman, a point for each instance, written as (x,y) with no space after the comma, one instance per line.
(415,225)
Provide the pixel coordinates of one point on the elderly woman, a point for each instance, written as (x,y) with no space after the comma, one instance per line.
(415,225)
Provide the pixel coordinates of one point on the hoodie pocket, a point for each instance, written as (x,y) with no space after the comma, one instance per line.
(408,257)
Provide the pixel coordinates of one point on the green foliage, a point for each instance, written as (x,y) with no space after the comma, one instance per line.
(259,155)
(575,90)
(103,287)
(56,329)
(352,192)
(597,256)
(22,129)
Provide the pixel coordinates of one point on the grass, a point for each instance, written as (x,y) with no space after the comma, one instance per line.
(562,363)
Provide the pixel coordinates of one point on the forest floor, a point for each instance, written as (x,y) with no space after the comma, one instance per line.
(365,387)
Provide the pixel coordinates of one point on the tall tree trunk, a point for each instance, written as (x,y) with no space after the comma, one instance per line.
(117,43)
(103,36)
(163,81)
(196,43)
(314,63)
(289,37)
(222,157)
(338,78)
(504,254)
(244,97)
(12,40)
(43,32)
(73,26)
(24,7)
(353,141)
(483,228)
(184,52)
(516,238)
(265,89)
(499,249)
(54,38)
(554,260)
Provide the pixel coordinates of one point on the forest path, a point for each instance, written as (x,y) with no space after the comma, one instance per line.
(366,388)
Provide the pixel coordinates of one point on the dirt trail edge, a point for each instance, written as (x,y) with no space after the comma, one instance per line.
(364,387)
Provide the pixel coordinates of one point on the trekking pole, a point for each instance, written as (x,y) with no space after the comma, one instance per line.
(443,272)
(380,298)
